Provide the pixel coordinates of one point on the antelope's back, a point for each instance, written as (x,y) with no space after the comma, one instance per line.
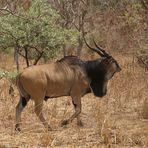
(52,80)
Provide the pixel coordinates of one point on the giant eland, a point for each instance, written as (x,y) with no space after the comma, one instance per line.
(69,76)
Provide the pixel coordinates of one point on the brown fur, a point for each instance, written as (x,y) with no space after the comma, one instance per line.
(69,76)
(61,78)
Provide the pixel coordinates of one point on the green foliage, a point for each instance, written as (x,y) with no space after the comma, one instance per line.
(11,75)
(39,27)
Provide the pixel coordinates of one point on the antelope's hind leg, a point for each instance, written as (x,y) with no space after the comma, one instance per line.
(38,111)
(19,108)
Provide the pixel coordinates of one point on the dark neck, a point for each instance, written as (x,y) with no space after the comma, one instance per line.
(96,73)
(95,70)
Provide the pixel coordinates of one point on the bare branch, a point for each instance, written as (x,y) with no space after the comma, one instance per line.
(21,54)
(141,61)
(145,4)
(39,57)
(6,10)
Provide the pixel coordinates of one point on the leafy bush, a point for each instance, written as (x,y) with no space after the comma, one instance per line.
(11,75)
(37,28)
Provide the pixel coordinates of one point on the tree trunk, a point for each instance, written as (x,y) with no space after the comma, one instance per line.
(26,56)
(16,58)
(79,48)
(64,50)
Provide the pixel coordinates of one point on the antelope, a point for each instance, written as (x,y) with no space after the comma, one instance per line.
(69,76)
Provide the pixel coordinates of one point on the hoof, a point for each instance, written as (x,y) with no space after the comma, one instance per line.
(49,128)
(17,128)
(64,122)
(80,123)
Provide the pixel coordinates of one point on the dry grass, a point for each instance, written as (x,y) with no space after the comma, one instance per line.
(115,121)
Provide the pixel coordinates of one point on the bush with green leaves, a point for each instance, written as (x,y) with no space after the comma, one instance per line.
(10,75)
(37,28)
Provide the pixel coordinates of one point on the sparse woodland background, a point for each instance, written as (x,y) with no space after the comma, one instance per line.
(41,31)
(36,29)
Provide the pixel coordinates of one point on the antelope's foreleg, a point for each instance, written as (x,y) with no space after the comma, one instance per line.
(79,122)
(77,105)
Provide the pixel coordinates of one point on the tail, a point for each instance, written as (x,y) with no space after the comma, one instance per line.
(21,89)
